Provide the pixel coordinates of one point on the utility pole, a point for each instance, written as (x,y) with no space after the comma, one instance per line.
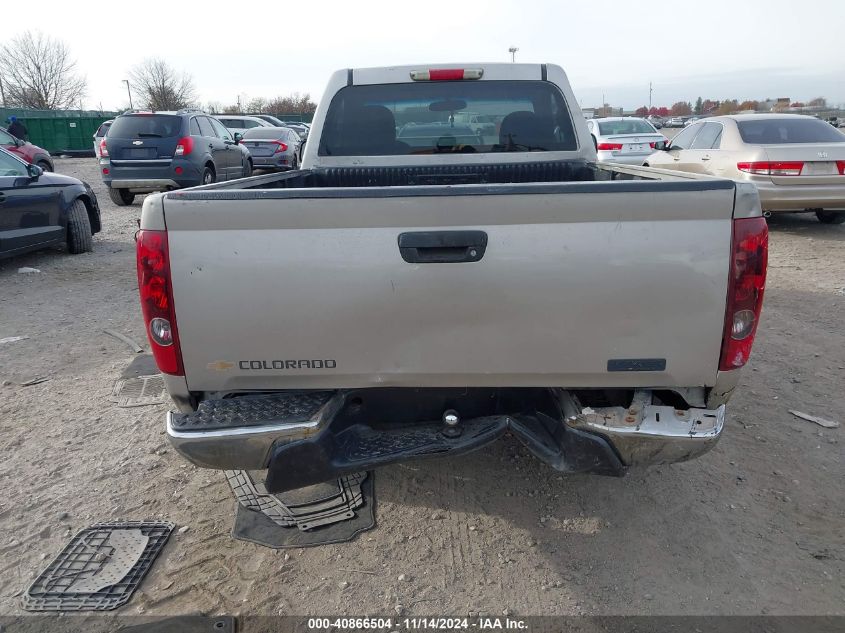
(649,95)
(512,50)
(129,92)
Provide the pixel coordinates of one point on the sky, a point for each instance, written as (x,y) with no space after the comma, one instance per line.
(743,49)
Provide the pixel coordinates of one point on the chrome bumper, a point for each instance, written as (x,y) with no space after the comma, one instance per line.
(647,434)
(642,434)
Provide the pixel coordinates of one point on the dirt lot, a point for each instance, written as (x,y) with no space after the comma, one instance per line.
(756,526)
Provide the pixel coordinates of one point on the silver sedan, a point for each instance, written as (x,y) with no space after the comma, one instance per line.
(627,140)
(797,162)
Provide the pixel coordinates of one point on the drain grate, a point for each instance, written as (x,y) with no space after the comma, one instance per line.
(99,569)
(307,508)
(140,391)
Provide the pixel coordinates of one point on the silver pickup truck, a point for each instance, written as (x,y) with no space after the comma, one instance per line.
(417,291)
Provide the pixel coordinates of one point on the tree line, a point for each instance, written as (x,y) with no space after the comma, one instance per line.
(38,71)
(727,106)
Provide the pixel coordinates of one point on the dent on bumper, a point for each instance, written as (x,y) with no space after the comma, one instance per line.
(643,434)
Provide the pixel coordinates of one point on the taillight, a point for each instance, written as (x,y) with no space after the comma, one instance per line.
(282,147)
(766,168)
(154,285)
(447,74)
(840,165)
(185,146)
(609,146)
(749,257)
(103,150)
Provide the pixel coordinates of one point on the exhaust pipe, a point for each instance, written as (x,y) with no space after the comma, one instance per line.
(767,214)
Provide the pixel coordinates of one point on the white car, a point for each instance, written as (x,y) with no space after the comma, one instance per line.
(241,123)
(100,134)
(627,140)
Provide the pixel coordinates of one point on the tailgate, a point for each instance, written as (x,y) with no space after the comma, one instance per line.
(581,285)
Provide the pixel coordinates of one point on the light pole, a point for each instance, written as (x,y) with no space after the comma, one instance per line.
(126,81)
(512,50)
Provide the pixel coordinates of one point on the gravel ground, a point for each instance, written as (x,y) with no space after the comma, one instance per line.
(755,526)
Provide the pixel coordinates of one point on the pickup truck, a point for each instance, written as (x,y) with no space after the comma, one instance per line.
(397,300)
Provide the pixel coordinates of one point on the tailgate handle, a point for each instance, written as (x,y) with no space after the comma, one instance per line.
(442,247)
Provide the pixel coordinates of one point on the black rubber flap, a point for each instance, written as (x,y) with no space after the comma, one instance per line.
(185,624)
(258,528)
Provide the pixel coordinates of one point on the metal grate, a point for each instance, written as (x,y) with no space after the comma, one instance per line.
(140,391)
(99,569)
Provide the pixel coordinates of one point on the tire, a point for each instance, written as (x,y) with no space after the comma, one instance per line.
(79,237)
(121,197)
(830,217)
(248,169)
(43,164)
(208,176)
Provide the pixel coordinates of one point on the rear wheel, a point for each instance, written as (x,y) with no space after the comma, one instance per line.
(830,217)
(79,238)
(207,175)
(121,197)
(43,164)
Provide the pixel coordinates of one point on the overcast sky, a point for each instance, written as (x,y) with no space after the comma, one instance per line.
(717,49)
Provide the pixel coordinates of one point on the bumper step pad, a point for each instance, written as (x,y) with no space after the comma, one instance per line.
(249,411)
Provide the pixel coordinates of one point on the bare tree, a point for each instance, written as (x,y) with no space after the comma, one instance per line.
(257,105)
(160,87)
(38,72)
(294,103)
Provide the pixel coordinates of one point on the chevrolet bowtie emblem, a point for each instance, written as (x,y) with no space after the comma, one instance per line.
(220,365)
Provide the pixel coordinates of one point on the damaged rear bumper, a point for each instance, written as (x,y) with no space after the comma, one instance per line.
(307,438)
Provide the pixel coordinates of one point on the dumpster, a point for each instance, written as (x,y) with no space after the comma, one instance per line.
(60,131)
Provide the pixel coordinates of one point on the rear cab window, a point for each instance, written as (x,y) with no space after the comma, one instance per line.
(425,118)
(146,126)
(788,130)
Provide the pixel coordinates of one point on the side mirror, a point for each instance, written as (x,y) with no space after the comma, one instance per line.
(19,142)
(238,137)
(661,146)
(34,171)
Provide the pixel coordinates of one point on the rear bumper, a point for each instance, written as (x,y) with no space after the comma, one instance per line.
(330,437)
(141,176)
(271,162)
(800,197)
(623,159)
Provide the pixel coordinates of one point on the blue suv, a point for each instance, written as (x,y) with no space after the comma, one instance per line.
(160,151)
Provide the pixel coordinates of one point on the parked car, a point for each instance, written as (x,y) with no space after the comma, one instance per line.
(796,162)
(623,139)
(691,120)
(383,305)
(300,128)
(655,120)
(675,121)
(481,124)
(100,134)
(160,151)
(26,151)
(272,147)
(40,209)
(269,118)
(242,123)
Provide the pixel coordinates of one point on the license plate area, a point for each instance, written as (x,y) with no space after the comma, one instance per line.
(141,152)
(819,168)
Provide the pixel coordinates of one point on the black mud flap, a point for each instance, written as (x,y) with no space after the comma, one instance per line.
(336,452)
